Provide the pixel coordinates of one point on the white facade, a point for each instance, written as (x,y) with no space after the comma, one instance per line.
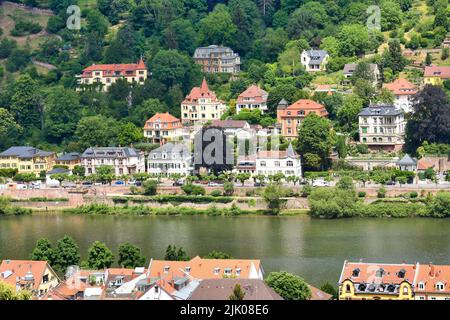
(404,102)
(123,160)
(382,126)
(314,60)
(273,162)
(170,159)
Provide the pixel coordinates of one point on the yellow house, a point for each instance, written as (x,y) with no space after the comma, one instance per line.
(27,160)
(373,281)
(435,75)
(38,277)
(70,160)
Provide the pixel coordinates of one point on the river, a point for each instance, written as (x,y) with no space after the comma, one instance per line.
(313,249)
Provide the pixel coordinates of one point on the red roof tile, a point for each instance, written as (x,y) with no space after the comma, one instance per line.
(253,92)
(435,71)
(200,92)
(401,86)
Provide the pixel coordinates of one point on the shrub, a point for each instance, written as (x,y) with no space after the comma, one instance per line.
(413,195)
(150,187)
(192,189)
(361,194)
(381,193)
(216,193)
(228,188)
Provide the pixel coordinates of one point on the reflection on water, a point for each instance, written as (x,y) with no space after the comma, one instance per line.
(313,249)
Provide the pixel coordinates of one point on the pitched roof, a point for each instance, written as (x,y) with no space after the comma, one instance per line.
(305,106)
(69,157)
(203,268)
(317,294)
(255,93)
(163,117)
(378,273)
(401,86)
(424,165)
(430,275)
(221,289)
(235,124)
(277,154)
(117,67)
(349,68)
(407,161)
(380,110)
(317,56)
(200,92)
(442,72)
(179,150)
(25,152)
(12,271)
(110,152)
(58,171)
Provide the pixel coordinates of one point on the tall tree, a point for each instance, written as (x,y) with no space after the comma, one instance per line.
(10,130)
(67,253)
(43,251)
(26,103)
(238,294)
(99,256)
(289,286)
(130,256)
(430,120)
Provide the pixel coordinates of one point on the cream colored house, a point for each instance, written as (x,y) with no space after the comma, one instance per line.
(201,106)
(104,75)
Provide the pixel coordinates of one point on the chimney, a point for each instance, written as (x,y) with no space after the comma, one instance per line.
(431,269)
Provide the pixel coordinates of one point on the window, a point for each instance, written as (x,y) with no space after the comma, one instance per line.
(263,163)
(347,288)
(188,269)
(440,286)
(238,272)
(166,269)
(421,286)
(216,271)
(227,271)
(290,163)
(277,163)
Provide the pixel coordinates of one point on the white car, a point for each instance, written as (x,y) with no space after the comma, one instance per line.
(214,184)
(320,183)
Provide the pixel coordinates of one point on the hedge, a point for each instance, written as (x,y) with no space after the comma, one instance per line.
(170,198)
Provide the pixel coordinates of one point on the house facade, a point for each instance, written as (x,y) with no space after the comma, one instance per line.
(70,160)
(163,127)
(435,75)
(34,276)
(350,68)
(272,162)
(382,127)
(376,281)
(104,75)
(123,160)
(27,160)
(201,106)
(170,159)
(290,117)
(314,60)
(252,98)
(433,282)
(404,92)
(218,59)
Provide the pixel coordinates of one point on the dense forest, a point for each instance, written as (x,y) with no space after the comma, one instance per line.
(40,107)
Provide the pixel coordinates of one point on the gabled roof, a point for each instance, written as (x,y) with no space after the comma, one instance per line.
(442,72)
(424,165)
(117,67)
(349,68)
(303,107)
(200,92)
(401,86)
(221,289)
(12,271)
(253,92)
(163,117)
(316,56)
(430,275)
(25,152)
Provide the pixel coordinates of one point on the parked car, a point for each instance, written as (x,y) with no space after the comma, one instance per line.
(320,183)
(214,184)
(390,183)
(259,184)
(178,183)
(119,183)
(87,184)
(132,182)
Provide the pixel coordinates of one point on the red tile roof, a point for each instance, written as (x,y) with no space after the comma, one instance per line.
(430,275)
(401,86)
(424,164)
(171,121)
(110,69)
(435,71)
(305,105)
(10,270)
(253,92)
(200,92)
(369,272)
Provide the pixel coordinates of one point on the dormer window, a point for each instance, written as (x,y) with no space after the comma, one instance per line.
(401,273)
(355,272)
(187,269)
(216,271)
(440,286)
(166,269)
(380,273)
(421,286)
(228,271)
(238,271)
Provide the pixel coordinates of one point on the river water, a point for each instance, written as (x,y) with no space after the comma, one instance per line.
(313,249)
